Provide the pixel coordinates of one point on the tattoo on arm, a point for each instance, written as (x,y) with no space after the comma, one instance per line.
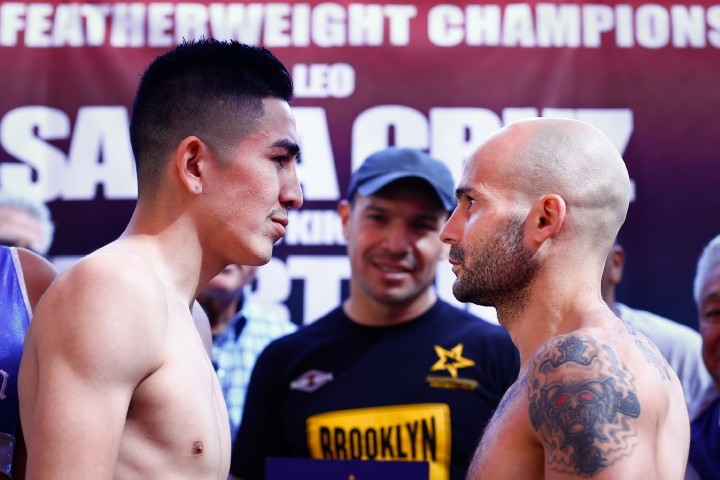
(655,358)
(631,329)
(582,401)
(650,352)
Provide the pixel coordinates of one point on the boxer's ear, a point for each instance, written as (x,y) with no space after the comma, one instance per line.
(546,218)
(190,158)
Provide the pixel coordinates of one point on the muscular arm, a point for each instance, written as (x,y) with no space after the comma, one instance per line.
(583,404)
(92,341)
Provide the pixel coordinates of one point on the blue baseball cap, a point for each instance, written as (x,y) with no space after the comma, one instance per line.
(386,166)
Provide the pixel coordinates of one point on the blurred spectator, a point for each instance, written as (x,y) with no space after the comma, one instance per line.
(241,329)
(679,344)
(25,222)
(705,429)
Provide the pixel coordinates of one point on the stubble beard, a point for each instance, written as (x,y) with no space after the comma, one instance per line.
(501,272)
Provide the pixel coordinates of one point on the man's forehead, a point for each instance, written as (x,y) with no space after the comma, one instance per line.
(476,190)
(498,154)
(477,171)
(269,138)
(276,115)
(416,206)
(487,176)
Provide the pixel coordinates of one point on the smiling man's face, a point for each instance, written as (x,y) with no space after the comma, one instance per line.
(393,241)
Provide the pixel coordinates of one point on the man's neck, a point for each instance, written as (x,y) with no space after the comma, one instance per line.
(368,311)
(548,313)
(173,249)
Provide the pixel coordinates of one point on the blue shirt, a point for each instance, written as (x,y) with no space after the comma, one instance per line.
(235,350)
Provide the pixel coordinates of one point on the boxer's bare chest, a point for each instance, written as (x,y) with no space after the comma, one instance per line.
(508,449)
(178,413)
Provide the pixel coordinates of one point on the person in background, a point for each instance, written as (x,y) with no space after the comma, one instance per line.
(115,381)
(393,357)
(25,223)
(241,329)
(540,203)
(705,428)
(680,345)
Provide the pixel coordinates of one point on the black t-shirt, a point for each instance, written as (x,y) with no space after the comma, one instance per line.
(423,390)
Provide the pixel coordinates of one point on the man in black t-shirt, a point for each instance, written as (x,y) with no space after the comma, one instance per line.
(394,373)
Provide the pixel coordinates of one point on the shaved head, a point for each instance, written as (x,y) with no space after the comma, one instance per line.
(569,158)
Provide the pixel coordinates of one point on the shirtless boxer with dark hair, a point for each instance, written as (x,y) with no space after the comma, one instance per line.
(115,380)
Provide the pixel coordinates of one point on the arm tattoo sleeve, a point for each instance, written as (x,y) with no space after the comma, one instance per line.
(582,401)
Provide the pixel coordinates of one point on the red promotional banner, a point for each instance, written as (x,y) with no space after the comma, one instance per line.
(435,76)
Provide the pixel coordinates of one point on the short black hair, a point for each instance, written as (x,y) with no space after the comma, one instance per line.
(208,88)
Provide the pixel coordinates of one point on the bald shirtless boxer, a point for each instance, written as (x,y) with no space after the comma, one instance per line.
(115,381)
(539,204)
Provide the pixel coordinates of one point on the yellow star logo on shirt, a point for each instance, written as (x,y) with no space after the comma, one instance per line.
(451,360)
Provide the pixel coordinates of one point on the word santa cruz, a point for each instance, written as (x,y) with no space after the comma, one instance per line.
(100,151)
(328,24)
